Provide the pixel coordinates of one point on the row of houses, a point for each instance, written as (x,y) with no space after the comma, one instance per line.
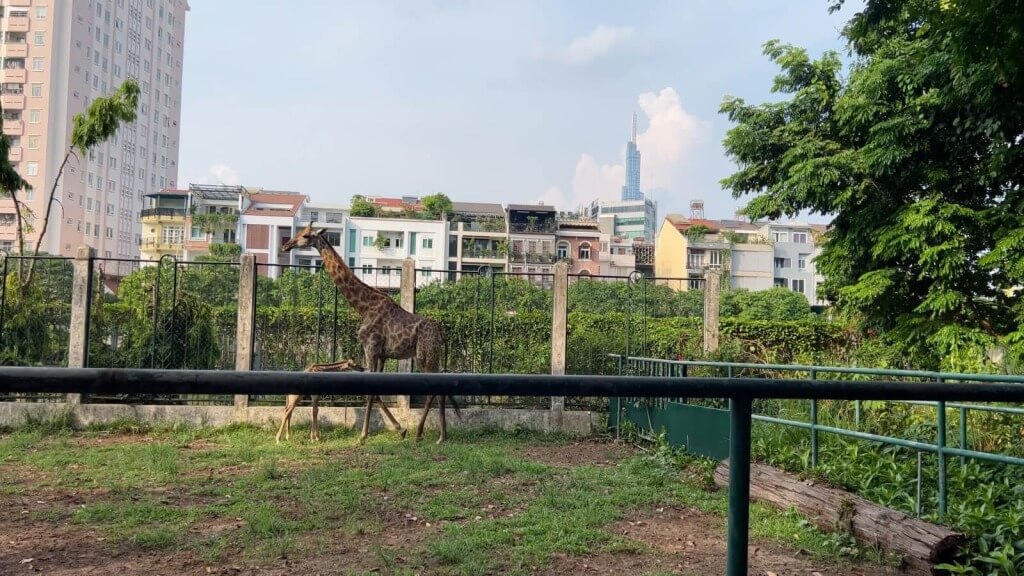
(473,238)
(477,238)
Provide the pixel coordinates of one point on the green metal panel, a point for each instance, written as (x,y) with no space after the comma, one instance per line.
(702,431)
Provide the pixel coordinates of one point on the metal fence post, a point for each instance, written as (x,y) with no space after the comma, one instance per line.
(408,298)
(963,433)
(739,486)
(814,426)
(245,331)
(940,452)
(81,304)
(559,328)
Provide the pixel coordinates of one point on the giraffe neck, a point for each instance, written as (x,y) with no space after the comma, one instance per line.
(359,295)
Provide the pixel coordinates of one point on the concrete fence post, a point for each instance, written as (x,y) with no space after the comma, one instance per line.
(408,301)
(81,306)
(558,328)
(245,328)
(712,293)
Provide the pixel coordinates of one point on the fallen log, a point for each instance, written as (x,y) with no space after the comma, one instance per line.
(922,544)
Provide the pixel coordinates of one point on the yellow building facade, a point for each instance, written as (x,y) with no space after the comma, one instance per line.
(164,225)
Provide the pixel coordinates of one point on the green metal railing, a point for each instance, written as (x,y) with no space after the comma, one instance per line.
(681,368)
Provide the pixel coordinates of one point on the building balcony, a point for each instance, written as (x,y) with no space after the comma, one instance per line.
(483,254)
(708,244)
(16,50)
(699,269)
(19,3)
(496,227)
(15,154)
(12,101)
(534,258)
(14,127)
(15,75)
(161,215)
(17,24)
(538,228)
(159,245)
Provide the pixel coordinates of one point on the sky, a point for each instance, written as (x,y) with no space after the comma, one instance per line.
(484,100)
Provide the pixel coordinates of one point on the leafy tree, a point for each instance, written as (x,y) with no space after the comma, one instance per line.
(362,207)
(10,183)
(916,151)
(437,205)
(775,304)
(97,124)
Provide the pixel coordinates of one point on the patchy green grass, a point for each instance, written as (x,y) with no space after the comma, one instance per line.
(475,505)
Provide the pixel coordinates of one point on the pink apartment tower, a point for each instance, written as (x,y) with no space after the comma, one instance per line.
(56,56)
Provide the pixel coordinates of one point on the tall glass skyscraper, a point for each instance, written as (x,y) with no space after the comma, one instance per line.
(631,191)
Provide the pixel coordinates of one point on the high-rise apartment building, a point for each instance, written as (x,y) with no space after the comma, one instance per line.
(631,190)
(56,57)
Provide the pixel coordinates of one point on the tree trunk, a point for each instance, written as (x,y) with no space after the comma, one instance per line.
(921,543)
(46,218)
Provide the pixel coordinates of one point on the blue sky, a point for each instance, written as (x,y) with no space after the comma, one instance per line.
(514,101)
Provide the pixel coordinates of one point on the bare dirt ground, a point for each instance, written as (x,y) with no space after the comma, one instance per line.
(38,536)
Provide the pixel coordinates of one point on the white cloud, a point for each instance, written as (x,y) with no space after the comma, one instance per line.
(600,42)
(672,134)
(219,174)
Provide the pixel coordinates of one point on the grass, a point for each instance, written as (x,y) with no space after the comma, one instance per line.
(488,507)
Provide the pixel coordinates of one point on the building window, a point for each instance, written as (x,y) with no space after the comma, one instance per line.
(800,237)
(801,262)
(33,142)
(695,260)
(562,250)
(37,64)
(35,116)
(798,285)
(314,216)
(40,12)
(367,240)
(783,263)
(780,282)
(715,259)
(110,232)
(37,90)
(780,236)
(32,168)
(398,242)
(426,272)
(173,235)
(198,233)
(333,238)
(428,243)
(585,251)
(39,39)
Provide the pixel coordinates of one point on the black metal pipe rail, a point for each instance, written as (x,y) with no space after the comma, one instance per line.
(740,391)
(147,381)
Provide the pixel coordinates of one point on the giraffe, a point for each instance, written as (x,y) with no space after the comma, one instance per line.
(386,330)
(293,401)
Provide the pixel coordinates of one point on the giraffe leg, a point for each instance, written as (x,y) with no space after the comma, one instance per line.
(286,418)
(314,431)
(390,417)
(423,418)
(366,420)
(444,423)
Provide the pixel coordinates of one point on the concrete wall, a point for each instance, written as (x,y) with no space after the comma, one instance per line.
(751,266)
(574,423)
(670,255)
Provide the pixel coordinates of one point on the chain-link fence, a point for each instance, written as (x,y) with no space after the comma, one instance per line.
(166,314)
(35,317)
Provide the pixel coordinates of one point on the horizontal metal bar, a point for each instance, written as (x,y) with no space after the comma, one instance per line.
(920,446)
(838,370)
(141,381)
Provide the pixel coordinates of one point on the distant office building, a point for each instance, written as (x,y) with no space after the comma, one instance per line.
(631,190)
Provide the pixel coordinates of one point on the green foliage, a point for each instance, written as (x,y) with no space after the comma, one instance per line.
(104,116)
(214,222)
(362,207)
(916,151)
(777,304)
(437,205)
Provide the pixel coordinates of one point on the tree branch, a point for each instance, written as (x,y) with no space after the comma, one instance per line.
(46,216)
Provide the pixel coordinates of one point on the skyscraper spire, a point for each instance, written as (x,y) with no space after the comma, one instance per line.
(631,190)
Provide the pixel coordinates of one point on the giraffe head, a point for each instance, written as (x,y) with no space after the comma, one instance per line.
(304,238)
